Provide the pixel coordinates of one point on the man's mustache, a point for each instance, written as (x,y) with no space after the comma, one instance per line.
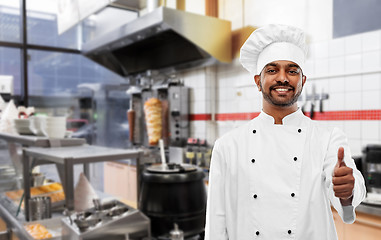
(286,84)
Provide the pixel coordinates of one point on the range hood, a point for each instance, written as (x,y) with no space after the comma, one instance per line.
(164,39)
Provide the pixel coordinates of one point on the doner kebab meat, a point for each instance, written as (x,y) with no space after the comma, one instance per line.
(152,111)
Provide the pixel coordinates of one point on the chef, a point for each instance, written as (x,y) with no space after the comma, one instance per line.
(277,176)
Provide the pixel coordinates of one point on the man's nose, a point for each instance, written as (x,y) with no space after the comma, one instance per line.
(282,76)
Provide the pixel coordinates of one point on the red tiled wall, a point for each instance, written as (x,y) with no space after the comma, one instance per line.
(326,116)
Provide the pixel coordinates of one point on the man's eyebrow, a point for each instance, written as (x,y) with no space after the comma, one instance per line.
(293,65)
(272,64)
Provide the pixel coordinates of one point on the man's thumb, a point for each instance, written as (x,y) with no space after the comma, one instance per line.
(340,157)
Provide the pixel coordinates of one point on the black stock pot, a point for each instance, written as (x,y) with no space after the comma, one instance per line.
(174,193)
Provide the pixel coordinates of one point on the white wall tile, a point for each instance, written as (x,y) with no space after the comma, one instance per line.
(371,100)
(309,69)
(336,101)
(353,44)
(352,129)
(352,83)
(245,106)
(321,50)
(250,93)
(371,41)
(353,101)
(371,61)
(336,65)
(336,47)
(371,81)
(355,146)
(336,84)
(338,124)
(370,130)
(222,106)
(198,107)
(321,68)
(353,63)
(199,94)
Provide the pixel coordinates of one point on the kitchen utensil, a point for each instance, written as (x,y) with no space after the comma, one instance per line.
(174,194)
(37,179)
(304,100)
(312,112)
(162,154)
(131,122)
(321,101)
(39,208)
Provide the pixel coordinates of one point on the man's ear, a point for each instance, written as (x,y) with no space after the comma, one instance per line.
(257,80)
(304,78)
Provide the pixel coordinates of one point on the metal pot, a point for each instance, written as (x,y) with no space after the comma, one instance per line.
(174,193)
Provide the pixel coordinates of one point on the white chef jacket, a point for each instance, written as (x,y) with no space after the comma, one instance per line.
(270,181)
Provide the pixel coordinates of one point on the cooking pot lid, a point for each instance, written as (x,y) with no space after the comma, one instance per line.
(171,168)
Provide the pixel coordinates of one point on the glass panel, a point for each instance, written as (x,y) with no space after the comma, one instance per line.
(43,29)
(42,26)
(10,65)
(10,20)
(59,74)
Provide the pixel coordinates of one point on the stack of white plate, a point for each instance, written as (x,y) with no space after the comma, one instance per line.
(22,126)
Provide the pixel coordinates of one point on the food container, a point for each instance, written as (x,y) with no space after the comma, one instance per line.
(35,230)
(39,208)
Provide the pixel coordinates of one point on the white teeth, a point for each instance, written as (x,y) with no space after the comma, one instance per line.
(281,89)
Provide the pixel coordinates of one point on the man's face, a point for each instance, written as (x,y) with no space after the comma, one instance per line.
(281,83)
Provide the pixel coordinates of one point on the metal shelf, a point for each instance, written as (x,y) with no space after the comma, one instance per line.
(35,141)
(65,158)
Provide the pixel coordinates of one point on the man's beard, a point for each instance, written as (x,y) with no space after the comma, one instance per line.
(273,101)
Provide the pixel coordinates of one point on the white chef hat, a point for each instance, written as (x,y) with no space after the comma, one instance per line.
(273,42)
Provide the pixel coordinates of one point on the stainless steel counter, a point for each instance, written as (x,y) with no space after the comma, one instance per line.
(369,209)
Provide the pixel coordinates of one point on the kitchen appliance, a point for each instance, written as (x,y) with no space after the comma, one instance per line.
(174,193)
(165,39)
(174,97)
(372,168)
(111,220)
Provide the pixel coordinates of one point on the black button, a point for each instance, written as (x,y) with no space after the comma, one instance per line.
(289,231)
(257,232)
(254,131)
(299,130)
(292,194)
(253,160)
(255,196)
(295,158)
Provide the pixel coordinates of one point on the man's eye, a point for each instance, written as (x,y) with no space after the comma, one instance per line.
(270,70)
(293,71)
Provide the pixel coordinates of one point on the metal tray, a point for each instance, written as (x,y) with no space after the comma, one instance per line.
(53,225)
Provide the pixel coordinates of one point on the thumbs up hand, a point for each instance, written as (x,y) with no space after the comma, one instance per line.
(343,180)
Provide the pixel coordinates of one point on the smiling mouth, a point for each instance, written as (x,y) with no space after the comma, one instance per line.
(282,89)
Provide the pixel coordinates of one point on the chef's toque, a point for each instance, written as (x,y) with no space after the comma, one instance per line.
(271,43)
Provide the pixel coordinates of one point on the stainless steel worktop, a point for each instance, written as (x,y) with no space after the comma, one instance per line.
(369,209)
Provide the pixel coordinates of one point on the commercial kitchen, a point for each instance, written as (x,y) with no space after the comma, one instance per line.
(109,109)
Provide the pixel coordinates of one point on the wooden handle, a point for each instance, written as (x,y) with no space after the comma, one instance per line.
(131,123)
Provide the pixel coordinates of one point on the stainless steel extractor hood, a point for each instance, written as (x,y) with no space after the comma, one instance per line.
(164,39)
